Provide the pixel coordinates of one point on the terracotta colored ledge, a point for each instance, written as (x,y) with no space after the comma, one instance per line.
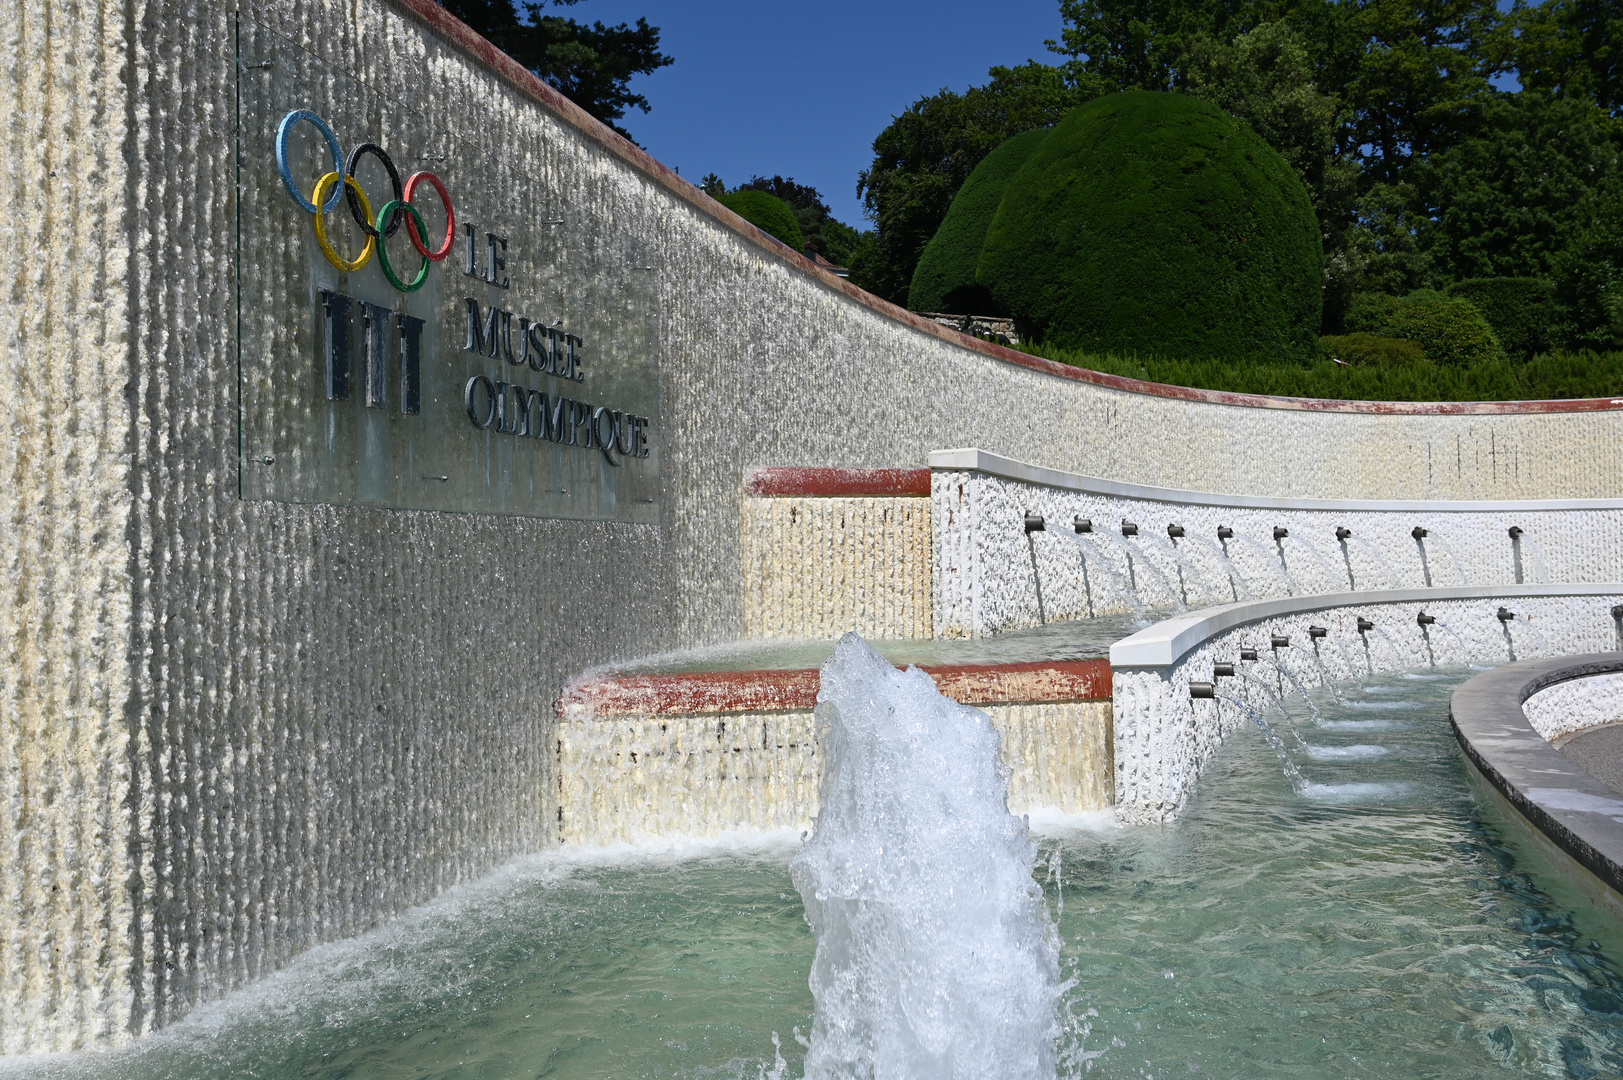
(459,34)
(826,483)
(796,691)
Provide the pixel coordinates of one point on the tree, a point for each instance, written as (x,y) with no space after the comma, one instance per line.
(926,153)
(590,65)
(1570,48)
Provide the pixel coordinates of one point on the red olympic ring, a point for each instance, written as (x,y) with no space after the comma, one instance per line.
(450,218)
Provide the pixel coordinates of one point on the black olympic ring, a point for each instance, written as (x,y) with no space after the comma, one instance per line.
(394,180)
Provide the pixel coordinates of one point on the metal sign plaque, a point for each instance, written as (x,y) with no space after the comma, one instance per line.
(449,330)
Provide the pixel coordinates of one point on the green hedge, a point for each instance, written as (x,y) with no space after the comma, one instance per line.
(1545,377)
(945,277)
(1155,223)
(766,212)
(1372,349)
(1521,310)
(1449,328)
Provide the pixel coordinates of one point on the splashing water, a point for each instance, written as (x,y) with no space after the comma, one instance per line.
(1118,580)
(936,957)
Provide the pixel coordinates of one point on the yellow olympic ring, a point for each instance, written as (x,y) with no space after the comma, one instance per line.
(347,266)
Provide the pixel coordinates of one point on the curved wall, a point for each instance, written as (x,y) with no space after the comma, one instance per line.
(273,724)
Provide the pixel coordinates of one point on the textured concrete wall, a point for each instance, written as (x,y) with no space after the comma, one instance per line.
(232,730)
(636,778)
(1567,708)
(992,576)
(1164,739)
(822,567)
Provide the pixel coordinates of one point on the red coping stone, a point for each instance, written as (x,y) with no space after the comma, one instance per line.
(461,35)
(784,691)
(831,482)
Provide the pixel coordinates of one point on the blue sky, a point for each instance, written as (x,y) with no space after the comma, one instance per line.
(801,91)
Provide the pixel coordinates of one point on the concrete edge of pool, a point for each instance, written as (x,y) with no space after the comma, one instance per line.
(1574,813)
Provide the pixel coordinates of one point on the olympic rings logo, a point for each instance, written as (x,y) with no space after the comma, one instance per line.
(377,228)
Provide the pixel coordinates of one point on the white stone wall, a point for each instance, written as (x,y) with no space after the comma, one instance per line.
(824,567)
(1163,738)
(624,779)
(1561,711)
(231,730)
(992,576)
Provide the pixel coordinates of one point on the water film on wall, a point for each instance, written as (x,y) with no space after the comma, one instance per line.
(529,386)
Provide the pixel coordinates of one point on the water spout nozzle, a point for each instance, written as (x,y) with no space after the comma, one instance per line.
(1128,528)
(1280,641)
(1225,533)
(1342,532)
(1034,523)
(1174,531)
(1317,632)
(1248,654)
(1515,532)
(1418,533)
(1365,626)
(1425,620)
(1505,615)
(1617,611)
(1280,532)
(1082,524)
(1222,671)
(1202,690)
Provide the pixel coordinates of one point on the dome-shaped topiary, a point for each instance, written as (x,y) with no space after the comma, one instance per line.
(1155,223)
(766,212)
(945,277)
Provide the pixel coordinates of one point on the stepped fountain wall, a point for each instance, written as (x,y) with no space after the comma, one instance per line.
(992,575)
(1164,737)
(232,728)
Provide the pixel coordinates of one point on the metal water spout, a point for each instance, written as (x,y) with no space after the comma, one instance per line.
(1225,533)
(1222,671)
(1505,615)
(1280,641)
(1034,523)
(1316,632)
(1365,626)
(1418,533)
(1342,532)
(1128,528)
(1202,690)
(1248,654)
(1082,524)
(1425,620)
(1515,532)
(1174,531)
(1617,611)
(1280,532)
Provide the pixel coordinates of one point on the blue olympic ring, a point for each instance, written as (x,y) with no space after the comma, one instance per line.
(282,134)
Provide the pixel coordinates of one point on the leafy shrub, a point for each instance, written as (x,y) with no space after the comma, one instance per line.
(766,212)
(945,277)
(1155,223)
(1520,310)
(1551,376)
(1373,350)
(1449,328)
(1589,281)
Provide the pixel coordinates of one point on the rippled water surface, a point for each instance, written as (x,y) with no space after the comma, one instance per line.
(1377,925)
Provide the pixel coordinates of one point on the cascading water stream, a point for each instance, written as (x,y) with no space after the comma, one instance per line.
(1375,556)
(1124,588)
(1465,653)
(1128,551)
(1332,577)
(1448,549)
(1193,573)
(1324,676)
(1397,657)
(1271,560)
(1285,761)
(1536,556)
(936,957)
(1236,579)
(1278,700)
(1543,645)
(1285,670)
